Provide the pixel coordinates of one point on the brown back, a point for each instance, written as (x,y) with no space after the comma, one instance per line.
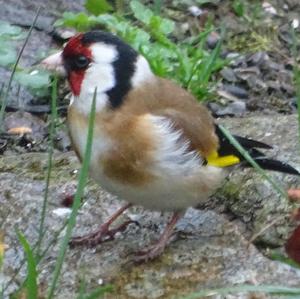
(164,98)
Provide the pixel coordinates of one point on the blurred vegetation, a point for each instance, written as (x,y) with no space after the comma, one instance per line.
(36,80)
(187,62)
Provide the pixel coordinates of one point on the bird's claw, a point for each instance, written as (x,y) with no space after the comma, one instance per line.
(149,253)
(103,234)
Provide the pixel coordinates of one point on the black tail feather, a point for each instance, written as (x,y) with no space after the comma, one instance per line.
(275,165)
(250,143)
(226,148)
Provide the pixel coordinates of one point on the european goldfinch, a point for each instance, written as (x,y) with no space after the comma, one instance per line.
(154,144)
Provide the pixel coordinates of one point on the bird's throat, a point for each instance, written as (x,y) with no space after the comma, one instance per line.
(75,81)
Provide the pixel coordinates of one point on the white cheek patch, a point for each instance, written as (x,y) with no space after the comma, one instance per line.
(100,75)
(103,53)
(142,72)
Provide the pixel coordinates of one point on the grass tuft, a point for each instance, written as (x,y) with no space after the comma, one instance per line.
(77,200)
(32,274)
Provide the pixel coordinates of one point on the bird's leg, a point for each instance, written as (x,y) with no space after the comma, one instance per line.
(155,250)
(103,233)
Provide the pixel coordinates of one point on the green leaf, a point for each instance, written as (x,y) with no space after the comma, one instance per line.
(108,20)
(7,29)
(79,21)
(167,26)
(35,79)
(239,8)
(161,25)
(8,54)
(141,12)
(31,280)
(97,7)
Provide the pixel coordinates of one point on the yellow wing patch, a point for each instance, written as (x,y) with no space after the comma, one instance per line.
(215,160)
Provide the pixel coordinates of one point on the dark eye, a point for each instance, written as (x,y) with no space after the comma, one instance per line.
(81,62)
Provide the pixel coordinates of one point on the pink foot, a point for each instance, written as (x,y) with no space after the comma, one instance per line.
(103,234)
(157,249)
(149,253)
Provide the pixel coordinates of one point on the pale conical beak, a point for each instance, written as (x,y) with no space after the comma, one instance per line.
(54,63)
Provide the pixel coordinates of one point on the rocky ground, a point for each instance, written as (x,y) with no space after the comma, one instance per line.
(212,246)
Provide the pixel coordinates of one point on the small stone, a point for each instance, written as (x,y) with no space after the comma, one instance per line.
(295,23)
(272,65)
(228,74)
(258,58)
(236,59)
(226,97)
(236,108)
(245,73)
(100,281)
(269,8)
(237,91)
(213,39)
(62,212)
(256,84)
(285,34)
(195,11)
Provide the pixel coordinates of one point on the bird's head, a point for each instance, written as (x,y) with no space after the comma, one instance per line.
(100,60)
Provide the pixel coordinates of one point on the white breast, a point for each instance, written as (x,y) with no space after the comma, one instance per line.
(79,131)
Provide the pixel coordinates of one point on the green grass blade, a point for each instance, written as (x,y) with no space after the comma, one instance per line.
(82,289)
(268,289)
(246,155)
(99,292)
(40,257)
(31,280)
(77,200)
(5,94)
(49,163)
(278,256)
(211,61)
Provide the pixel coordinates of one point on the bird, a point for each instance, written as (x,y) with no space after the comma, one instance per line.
(154,144)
